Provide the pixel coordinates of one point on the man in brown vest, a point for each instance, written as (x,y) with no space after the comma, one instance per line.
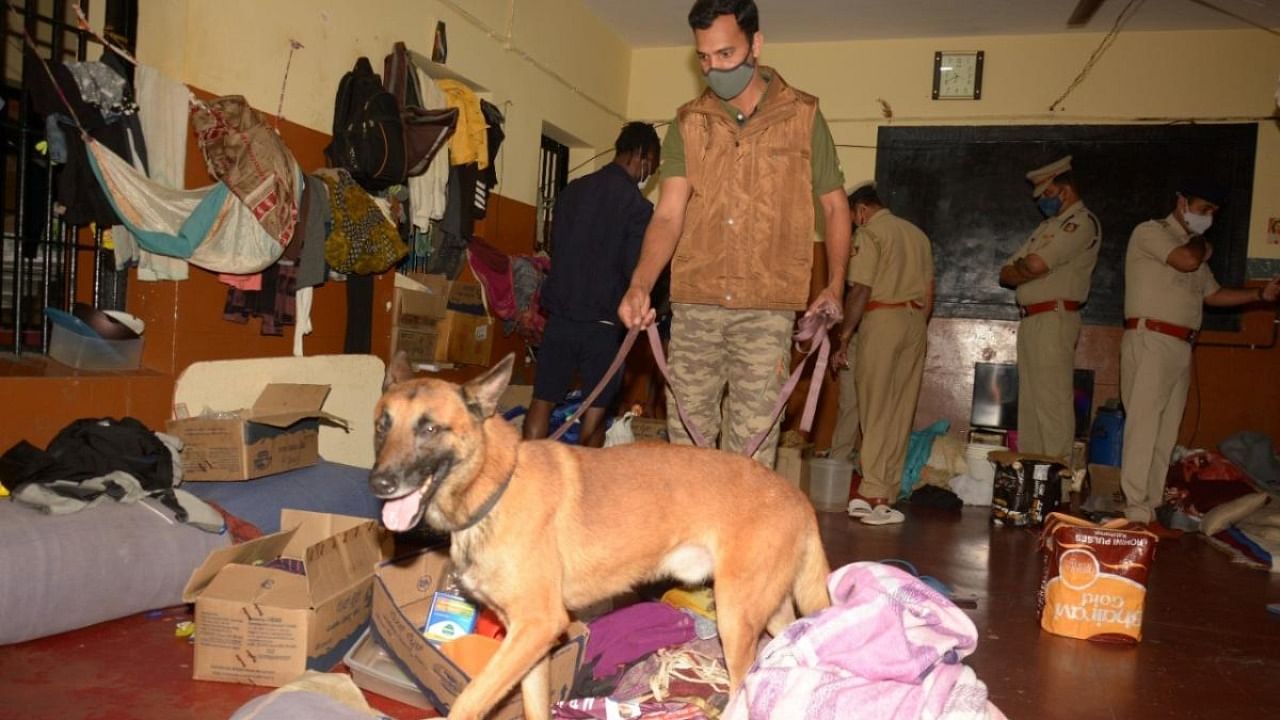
(1051,273)
(742,167)
(1167,283)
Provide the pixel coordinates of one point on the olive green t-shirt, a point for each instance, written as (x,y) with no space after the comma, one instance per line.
(825,164)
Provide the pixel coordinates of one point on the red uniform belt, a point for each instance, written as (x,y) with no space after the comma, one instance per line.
(1177,331)
(1047,306)
(877,305)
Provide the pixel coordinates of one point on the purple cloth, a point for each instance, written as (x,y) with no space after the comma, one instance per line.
(606,708)
(628,634)
(888,647)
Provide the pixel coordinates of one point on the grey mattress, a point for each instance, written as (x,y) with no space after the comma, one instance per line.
(62,572)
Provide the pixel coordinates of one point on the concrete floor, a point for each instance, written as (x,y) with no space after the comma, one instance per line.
(1210,649)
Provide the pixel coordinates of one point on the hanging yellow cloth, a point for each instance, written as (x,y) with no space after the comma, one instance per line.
(470,143)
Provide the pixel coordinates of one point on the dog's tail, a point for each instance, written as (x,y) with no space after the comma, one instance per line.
(810,589)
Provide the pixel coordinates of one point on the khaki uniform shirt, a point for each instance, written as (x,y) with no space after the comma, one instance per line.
(1155,289)
(1068,243)
(893,258)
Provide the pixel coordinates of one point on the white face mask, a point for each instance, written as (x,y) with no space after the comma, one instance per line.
(1198,224)
(646,172)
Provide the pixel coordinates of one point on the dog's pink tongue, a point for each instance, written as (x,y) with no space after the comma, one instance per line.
(399,515)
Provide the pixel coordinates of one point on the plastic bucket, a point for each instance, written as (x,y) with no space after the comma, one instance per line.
(980,468)
(1106,438)
(829,481)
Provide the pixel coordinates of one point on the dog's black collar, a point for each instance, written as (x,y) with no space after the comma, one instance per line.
(489,504)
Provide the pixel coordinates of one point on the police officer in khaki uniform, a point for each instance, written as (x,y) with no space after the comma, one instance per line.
(889,301)
(844,438)
(1051,273)
(1167,283)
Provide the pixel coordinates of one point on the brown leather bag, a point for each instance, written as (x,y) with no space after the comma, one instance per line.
(426,131)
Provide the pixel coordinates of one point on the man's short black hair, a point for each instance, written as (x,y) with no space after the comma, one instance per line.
(705,12)
(637,137)
(1066,179)
(865,195)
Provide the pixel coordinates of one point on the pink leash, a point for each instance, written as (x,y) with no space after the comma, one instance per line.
(810,337)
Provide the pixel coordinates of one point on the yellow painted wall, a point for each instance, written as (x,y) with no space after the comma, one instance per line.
(1164,75)
(540,60)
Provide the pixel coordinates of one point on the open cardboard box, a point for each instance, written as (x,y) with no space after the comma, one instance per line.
(264,625)
(402,591)
(419,319)
(280,432)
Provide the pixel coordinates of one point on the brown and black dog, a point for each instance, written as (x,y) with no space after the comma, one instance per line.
(541,528)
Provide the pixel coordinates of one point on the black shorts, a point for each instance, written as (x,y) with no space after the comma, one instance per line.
(584,347)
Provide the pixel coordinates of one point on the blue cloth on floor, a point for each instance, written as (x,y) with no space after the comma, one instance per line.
(324,487)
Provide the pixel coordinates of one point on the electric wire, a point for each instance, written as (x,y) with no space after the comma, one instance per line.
(1125,15)
(1241,18)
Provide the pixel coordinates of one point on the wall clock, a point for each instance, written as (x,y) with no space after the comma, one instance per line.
(957,75)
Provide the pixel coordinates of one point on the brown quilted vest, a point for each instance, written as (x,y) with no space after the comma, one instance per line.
(748,230)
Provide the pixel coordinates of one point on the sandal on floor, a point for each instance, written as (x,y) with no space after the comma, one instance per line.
(859,508)
(933,582)
(883,515)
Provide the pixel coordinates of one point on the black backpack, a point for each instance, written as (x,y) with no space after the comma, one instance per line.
(368,136)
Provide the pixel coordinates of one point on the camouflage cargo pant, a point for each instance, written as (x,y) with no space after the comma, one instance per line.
(747,350)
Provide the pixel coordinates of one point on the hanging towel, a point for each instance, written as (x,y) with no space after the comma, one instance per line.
(427,191)
(162,109)
(470,143)
(208,226)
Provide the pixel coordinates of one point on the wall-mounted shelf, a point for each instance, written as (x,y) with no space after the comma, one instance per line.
(438,71)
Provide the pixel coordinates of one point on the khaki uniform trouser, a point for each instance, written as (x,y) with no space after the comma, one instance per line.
(749,351)
(1155,372)
(1046,366)
(845,437)
(888,371)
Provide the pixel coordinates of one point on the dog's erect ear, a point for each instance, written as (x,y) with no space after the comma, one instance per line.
(398,371)
(482,393)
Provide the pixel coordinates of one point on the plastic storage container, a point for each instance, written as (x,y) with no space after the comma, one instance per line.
(74,343)
(980,467)
(829,481)
(374,670)
(1106,437)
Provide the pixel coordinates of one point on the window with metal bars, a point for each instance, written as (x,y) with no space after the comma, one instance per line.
(44,261)
(553,163)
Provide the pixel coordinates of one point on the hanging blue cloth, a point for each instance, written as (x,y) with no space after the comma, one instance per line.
(918,449)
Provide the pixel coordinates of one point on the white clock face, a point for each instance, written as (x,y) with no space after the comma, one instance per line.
(958,75)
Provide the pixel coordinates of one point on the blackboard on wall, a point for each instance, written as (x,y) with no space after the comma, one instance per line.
(966,188)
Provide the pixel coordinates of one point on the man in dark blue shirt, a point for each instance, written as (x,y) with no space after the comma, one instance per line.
(596,235)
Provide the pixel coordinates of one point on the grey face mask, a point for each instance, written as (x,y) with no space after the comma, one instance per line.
(729,84)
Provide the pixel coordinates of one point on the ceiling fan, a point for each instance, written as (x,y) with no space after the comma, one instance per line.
(1084,12)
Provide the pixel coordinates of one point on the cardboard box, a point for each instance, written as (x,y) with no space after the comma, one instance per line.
(467,298)
(791,465)
(402,592)
(470,338)
(423,346)
(262,625)
(515,396)
(280,432)
(647,428)
(419,300)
